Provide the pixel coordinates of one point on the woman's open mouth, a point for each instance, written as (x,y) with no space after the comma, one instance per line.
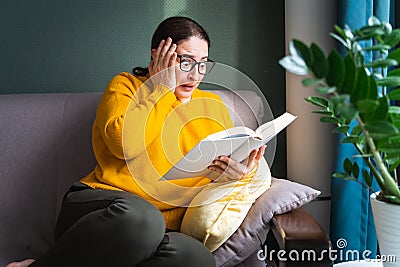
(188,87)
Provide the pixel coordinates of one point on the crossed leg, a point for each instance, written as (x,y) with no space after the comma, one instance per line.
(102,228)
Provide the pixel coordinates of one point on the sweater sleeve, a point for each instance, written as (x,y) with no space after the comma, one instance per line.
(129,112)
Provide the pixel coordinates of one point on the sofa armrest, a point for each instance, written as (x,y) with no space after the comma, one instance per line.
(300,239)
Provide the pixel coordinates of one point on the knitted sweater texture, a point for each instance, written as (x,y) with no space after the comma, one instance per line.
(139,133)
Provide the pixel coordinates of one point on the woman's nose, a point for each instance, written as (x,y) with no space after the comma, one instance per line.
(194,73)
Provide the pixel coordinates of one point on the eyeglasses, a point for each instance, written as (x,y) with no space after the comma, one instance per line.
(188,63)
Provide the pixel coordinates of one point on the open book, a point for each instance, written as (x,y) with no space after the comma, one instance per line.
(236,142)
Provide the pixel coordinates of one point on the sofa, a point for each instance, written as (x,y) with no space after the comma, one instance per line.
(45,144)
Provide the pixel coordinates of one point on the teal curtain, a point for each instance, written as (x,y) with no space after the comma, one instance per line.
(352,225)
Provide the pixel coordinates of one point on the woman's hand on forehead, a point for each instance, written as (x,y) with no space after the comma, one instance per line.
(163,58)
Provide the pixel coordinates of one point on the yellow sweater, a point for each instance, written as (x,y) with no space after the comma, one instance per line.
(140,133)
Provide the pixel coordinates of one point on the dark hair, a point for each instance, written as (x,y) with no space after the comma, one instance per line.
(179,29)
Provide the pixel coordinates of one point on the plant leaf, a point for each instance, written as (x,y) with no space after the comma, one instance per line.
(325,90)
(294,64)
(340,175)
(341,40)
(391,81)
(322,112)
(310,82)
(356,130)
(347,32)
(340,31)
(318,101)
(392,199)
(394,140)
(394,165)
(377,47)
(366,87)
(394,110)
(388,28)
(360,86)
(381,63)
(363,156)
(367,178)
(329,120)
(381,129)
(380,113)
(341,129)
(350,75)
(394,73)
(395,119)
(391,156)
(348,166)
(320,64)
(393,38)
(373,20)
(355,169)
(341,99)
(298,48)
(367,105)
(390,148)
(348,112)
(350,140)
(394,94)
(373,88)
(395,54)
(370,31)
(358,56)
(335,76)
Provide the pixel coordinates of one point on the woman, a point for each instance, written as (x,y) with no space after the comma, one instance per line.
(121,214)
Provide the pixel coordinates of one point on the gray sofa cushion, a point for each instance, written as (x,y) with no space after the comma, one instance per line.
(46,145)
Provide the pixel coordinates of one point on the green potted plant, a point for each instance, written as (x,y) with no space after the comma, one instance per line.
(359,98)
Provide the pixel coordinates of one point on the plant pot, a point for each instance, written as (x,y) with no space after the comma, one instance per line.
(387,224)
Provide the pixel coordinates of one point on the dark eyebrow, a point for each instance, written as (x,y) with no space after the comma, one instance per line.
(190,56)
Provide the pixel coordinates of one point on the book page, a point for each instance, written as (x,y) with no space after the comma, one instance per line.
(270,129)
(245,149)
(231,133)
(237,142)
(195,163)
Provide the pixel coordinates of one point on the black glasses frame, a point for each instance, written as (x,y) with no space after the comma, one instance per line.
(209,63)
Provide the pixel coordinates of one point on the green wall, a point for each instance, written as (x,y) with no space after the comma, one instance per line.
(78,46)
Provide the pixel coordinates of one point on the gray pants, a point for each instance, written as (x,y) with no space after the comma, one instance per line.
(103,228)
